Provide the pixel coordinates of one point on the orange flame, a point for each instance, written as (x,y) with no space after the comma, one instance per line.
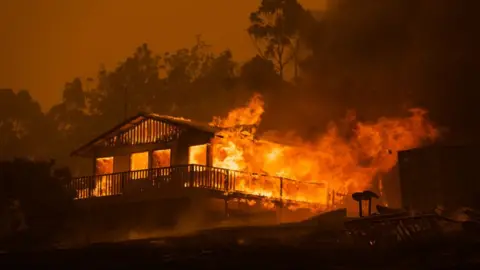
(347,165)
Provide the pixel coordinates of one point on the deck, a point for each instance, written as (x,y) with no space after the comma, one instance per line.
(219,182)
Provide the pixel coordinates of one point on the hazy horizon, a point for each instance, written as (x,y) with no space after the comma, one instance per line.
(76,37)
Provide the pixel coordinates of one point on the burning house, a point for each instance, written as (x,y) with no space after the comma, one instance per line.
(150,157)
(155,157)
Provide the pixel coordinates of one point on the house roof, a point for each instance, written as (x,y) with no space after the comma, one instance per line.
(139,118)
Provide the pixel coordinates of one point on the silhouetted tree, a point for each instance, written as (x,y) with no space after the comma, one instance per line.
(72,123)
(24,130)
(126,90)
(38,199)
(196,78)
(259,73)
(275,27)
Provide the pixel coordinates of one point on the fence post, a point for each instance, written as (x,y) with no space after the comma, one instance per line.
(280,203)
(281,188)
(225,181)
(191,172)
(333,198)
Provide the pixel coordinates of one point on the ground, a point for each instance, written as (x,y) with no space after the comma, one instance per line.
(192,252)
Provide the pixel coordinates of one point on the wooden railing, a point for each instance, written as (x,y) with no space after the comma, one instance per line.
(197,176)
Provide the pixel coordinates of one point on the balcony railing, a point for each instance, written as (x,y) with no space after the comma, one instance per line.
(198,176)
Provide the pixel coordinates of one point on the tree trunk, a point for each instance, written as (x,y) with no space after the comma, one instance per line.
(295,60)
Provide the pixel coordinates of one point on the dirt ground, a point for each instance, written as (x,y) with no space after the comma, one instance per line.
(183,253)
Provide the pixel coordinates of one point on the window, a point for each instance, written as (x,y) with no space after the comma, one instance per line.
(104,165)
(139,162)
(197,154)
(161,158)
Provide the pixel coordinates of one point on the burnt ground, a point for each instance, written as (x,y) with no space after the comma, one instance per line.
(182,254)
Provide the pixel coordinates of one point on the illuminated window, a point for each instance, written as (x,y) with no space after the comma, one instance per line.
(139,161)
(197,154)
(139,165)
(161,158)
(104,165)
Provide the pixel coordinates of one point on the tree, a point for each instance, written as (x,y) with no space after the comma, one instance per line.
(130,88)
(275,29)
(259,73)
(183,68)
(196,78)
(36,194)
(24,129)
(70,119)
(69,114)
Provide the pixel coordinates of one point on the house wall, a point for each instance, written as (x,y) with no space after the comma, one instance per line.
(179,150)
(121,163)
(190,138)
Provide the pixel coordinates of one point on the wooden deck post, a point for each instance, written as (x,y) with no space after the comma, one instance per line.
(280,204)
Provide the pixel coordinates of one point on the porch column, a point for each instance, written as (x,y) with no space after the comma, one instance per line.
(209,155)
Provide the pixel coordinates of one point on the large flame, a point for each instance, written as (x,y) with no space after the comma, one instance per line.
(346,164)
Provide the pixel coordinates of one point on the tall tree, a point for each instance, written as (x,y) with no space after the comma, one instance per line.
(128,89)
(71,119)
(259,74)
(24,129)
(275,29)
(196,78)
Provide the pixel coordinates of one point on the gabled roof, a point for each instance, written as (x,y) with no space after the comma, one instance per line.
(139,118)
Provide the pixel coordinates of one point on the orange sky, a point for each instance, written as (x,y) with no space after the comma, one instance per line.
(45,43)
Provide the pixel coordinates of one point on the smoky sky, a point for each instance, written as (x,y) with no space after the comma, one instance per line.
(45,43)
(381,57)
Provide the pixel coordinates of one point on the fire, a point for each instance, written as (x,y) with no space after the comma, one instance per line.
(161,158)
(347,165)
(197,154)
(139,163)
(104,166)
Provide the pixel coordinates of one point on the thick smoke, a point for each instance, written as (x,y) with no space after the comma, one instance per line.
(382,57)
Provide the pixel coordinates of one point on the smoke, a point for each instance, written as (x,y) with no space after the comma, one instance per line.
(382,57)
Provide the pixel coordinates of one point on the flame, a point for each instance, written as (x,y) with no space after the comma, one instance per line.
(103,166)
(346,165)
(197,154)
(307,171)
(161,158)
(139,162)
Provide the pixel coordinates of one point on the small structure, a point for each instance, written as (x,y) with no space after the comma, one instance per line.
(439,175)
(152,156)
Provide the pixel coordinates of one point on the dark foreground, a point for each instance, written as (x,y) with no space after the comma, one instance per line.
(132,254)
